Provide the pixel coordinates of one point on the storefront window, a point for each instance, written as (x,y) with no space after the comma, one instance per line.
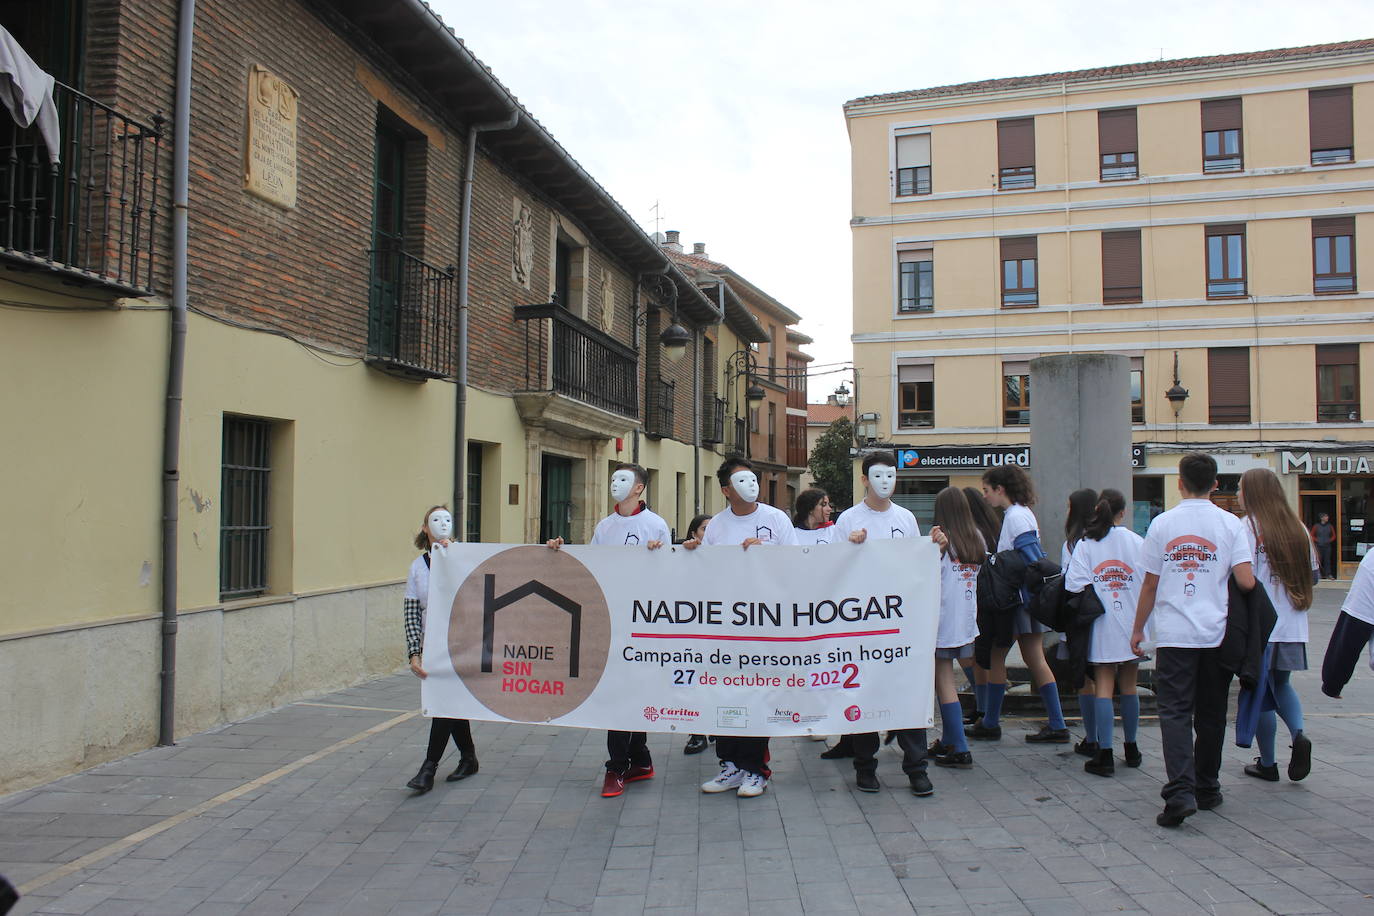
(1357,533)
(1147,501)
(918,495)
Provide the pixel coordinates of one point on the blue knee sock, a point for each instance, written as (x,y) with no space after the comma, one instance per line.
(1130,717)
(1286,698)
(952,715)
(1087,705)
(1050,695)
(992,705)
(1264,736)
(968,673)
(980,696)
(1105,722)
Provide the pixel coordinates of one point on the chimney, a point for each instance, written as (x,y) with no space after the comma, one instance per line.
(699,249)
(673,244)
(832,400)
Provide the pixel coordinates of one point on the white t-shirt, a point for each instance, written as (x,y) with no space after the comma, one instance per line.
(824,535)
(1112,567)
(635,530)
(1016,522)
(1291,625)
(417,583)
(1192,548)
(894,522)
(768,524)
(958,602)
(1359,602)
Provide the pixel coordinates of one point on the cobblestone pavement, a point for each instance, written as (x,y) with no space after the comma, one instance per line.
(302,810)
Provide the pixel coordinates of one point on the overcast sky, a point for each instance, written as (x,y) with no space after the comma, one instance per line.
(728,115)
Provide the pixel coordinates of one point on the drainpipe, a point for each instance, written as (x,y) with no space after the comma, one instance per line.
(635,337)
(176,366)
(460,410)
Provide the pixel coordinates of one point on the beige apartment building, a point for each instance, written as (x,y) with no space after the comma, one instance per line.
(1207,218)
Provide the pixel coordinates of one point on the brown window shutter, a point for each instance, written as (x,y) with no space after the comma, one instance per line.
(1018,249)
(1016,143)
(1338,354)
(1331,226)
(1116,131)
(1225,229)
(1121,266)
(1221,114)
(1228,384)
(1329,120)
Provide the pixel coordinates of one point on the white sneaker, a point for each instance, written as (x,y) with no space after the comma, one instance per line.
(728,778)
(753,784)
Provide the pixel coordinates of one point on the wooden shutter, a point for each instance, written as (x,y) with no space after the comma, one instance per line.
(1338,354)
(1332,226)
(1116,131)
(1329,119)
(1221,114)
(1016,143)
(1018,249)
(1121,266)
(1228,384)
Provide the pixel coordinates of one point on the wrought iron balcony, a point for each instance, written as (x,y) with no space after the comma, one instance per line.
(412,316)
(567,356)
(658,409)
(713,420)
(91,216)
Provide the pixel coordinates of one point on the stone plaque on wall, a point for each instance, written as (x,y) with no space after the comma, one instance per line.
(270,169)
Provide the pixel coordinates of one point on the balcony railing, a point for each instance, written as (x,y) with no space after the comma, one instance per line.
(658,410)
(713,421)
(411,317)
(739,445)
(92,215)
(568,356)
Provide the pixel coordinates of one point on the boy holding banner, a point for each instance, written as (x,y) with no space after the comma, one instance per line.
(630,524)
(877,517)
(747,522)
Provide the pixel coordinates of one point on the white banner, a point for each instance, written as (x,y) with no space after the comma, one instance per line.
(826,639)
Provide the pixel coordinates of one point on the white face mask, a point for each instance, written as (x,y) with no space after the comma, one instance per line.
(746,484)
(882,480)
(622,483)
(440,524)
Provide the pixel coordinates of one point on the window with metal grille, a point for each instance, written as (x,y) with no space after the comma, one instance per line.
(913,165)
(1225,261)
(1333,255)
(915,396)
(1116,144)
(1137,389)
(1221,135)
(1016,394)
(244,527)
(1121,266)
(1330,125)
(1338,383)
(1016,153)
(916,281)
(1228,385)
(1019,281)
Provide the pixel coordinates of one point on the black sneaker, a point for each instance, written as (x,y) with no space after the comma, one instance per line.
(1174,815)
(959,760)
(1258,770)
(1102,764)
(839,752)
(937,747)
(981,732)
(1132,753)
(1049,735)
(866,781)
(971,718)
(696,744)
(1301,764)
(920,785)
(1085,748)
(1208,802)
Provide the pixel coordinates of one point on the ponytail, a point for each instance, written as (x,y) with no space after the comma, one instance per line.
(1110,504)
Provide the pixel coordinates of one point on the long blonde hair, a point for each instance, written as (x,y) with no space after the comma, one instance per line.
(1277,529)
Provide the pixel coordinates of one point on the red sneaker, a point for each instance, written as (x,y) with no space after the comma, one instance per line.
(613,786)
(635,774)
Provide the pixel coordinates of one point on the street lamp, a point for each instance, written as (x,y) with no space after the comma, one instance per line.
(1177,394)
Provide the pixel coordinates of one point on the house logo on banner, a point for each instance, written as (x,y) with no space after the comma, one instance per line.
(506,673)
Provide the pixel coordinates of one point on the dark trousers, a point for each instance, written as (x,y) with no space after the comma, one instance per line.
(749,754)
(1343,653)
(1324,558)
(1191,691)
(440,730)
(912,741)
(627,749)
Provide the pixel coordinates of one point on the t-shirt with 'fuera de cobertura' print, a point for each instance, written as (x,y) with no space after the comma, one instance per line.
(1192,548)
